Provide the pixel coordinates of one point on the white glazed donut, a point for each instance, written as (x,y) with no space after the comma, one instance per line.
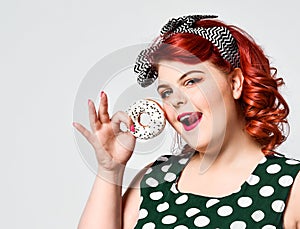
(155,113)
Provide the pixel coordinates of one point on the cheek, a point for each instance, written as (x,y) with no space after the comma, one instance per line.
(170,112)
(168,109)
(209,97)
(199,100)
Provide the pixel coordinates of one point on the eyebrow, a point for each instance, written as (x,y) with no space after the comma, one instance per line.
(180,79)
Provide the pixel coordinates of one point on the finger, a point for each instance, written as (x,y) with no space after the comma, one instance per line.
(103,115)
(94,122)
(87,134)
(119,117)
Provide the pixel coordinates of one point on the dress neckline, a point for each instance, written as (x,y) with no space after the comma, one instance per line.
(244,185)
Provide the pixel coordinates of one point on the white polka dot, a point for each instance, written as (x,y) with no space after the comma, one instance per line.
(266,191)
(268,227)
(272,169)
(149,226)
(143,213)
(253,179)
(201,221)
(192,211)
(170,177)
(181,227)
(277,155)
(258,215)
(148,171)
(169,219)
(285,180)
(141,199)
(292,162)
(237,190)
(173,188)
(156,195)
(162,207)
(244,201)
(182,199)
(278,206)
(152,182)
(225,211)
(165,168)
(238,225)
(162,158)
(183,161)
(263,160)
(212,202)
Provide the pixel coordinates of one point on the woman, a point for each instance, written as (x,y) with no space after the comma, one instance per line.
(221,96)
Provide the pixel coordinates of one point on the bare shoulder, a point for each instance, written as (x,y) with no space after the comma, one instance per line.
(292,216)
(131,200)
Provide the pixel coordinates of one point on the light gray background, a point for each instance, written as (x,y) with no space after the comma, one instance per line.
(46,49)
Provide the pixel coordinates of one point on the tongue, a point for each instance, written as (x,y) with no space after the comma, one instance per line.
(193,118)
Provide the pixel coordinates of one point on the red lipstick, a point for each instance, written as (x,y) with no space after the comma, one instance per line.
(189,120)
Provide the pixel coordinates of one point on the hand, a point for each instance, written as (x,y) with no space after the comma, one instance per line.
(112,146)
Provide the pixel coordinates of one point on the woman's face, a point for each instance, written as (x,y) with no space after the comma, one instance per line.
(199,102)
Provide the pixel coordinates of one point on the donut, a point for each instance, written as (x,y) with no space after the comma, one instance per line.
(156,118)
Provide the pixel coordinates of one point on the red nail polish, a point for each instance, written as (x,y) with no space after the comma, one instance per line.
(132,128)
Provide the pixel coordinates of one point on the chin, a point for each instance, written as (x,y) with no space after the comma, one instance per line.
(204,145)
(197,144)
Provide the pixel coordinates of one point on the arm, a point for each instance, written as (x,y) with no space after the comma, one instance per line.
(104,206)
(131,201)
(292,216)
(108,195)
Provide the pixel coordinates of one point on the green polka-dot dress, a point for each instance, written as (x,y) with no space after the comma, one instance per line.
(259,203)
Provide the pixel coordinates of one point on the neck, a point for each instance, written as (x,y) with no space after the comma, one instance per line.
(238,148)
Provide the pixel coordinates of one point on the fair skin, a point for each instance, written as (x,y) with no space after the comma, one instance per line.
(206,92)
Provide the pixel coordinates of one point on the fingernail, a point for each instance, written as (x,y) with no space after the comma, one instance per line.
(89,101)
(132,128)
(74,124)
(102,93)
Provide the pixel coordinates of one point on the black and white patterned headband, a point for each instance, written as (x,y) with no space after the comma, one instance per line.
(220,37)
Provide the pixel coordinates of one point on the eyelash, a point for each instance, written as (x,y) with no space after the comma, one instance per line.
(186,83)
(163,94)
(195,81)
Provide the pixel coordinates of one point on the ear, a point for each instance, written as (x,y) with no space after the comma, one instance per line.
(237,79)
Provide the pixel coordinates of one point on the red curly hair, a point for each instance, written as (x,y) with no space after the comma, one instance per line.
(265,110)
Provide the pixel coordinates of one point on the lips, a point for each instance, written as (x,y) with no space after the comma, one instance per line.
(189,120)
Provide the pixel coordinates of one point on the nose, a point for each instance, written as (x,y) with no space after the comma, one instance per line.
(178,99)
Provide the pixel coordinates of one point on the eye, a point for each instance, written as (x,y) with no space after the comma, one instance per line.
(166,93)
(191,82)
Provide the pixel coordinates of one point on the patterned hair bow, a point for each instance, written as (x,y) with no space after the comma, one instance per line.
(220,37)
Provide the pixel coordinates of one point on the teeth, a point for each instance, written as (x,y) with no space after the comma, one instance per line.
(190,118)
(184,117)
